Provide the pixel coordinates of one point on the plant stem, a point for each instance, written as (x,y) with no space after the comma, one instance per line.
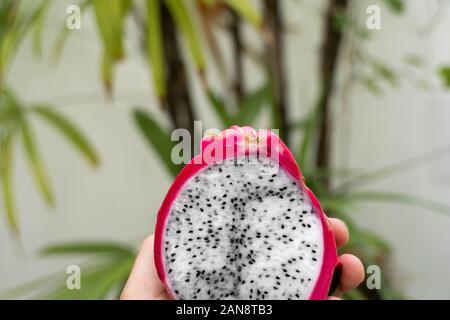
(178,100)
(275,54)
(236,37)
(329,66)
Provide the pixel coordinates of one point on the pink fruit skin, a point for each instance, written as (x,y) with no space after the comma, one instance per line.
(236,138)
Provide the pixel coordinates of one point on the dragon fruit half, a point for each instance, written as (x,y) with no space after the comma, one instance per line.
(239,223)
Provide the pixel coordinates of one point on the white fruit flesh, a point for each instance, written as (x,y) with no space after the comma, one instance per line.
(243,230)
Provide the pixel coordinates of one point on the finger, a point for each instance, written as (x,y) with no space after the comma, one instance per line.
(144,282)
(333,298)
(340,231)
(352,274)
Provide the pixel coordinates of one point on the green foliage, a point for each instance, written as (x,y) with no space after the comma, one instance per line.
(39,26)
(110,263)
(6,181)
(86,248)
(16,19)
(15,119)
(397,6)
(310,128)
(341,21)
(187,28)
(355,181)
(155,46)
(378,74)
(343,199)
(384,72)
(221,109)
(110,20)
(110,17)
(251,106)
(246,10)
(386,197)
(39,171)
(158,138)
(68,130)
(445,75)
(246,114)
(101,277)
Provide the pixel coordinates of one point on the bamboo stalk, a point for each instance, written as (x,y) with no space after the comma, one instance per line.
(275,56)
(329,66)
(178,101)
(236,38)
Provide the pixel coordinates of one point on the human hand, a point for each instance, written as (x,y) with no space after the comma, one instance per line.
(144,284)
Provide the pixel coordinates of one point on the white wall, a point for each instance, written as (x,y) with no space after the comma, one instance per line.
(120,199)
(404,123)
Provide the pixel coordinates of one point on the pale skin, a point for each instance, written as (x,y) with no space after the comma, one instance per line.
(144,284)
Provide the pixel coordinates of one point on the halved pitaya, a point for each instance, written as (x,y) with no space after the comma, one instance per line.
(239,223)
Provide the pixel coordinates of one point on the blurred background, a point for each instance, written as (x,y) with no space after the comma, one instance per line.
(359,90)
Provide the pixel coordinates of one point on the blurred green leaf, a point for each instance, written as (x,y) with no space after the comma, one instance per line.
(125,7)
(37,167)
(251,106)
(397,6)
(98,248)
(247,11)
(155,46)
(300,124)
(97,281)
(398,198)
(186,25)
(248,111)
(14,120)
(372,85)
(8,33)
(158,138)
(354,294)
(384,72)
(39,26)
(28,289)
(220,108)
(64,32)
(308,134)
(444,72)
(10,121)
(207,13)
(20,16)
(60,41)
(68,130)
(375,240)
(302,155)
(11,112)
(414,60)
(209,2)
(8,44)
(6,180)
(395,168)
(107,72)
(109,18)
(109,265)
(340,21)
